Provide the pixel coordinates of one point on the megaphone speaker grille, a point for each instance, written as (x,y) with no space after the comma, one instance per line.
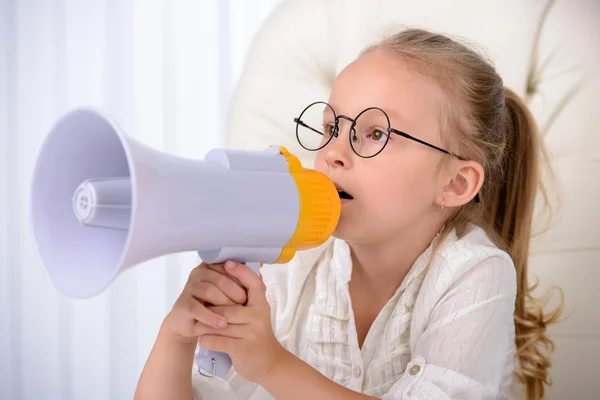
(80,261)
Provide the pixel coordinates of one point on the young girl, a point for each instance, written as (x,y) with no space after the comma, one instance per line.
(422,292)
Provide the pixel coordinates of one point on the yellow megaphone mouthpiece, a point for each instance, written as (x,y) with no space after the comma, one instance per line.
(320,208)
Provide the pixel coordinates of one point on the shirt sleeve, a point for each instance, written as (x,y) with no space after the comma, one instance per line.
(468,343)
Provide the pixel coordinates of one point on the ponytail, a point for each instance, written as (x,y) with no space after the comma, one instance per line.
(511,211)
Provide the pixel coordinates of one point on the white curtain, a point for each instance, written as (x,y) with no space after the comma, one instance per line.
(165,70)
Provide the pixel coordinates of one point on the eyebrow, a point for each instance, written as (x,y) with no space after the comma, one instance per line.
(327,110)
(393,114)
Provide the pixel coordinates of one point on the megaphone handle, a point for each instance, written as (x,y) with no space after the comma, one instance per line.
(211,363)
(254,266)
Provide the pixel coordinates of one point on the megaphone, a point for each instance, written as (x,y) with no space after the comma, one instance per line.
(102,202)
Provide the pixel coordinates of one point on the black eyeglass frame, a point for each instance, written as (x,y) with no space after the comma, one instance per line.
(352,133)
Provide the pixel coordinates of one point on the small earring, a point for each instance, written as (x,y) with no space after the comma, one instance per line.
(443,201)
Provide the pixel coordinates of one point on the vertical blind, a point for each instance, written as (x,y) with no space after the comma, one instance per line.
(164,70)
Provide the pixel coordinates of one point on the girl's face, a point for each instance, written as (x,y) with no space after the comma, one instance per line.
(393,193)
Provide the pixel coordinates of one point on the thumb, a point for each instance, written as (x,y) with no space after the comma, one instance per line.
(252,282)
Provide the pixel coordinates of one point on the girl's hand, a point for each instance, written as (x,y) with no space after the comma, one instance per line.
(248,338)
(207,285)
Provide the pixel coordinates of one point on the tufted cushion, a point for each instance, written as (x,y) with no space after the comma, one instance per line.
(303,45)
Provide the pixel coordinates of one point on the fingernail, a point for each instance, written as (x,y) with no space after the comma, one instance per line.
(230,265)
(221,323)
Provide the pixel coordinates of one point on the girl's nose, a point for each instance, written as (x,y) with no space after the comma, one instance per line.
(338,151)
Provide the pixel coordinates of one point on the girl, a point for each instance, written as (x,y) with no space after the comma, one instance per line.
(422,292)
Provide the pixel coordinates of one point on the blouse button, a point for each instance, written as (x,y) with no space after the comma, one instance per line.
(414,369)
(357,371)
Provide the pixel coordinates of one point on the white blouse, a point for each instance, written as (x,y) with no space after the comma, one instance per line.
(448,331)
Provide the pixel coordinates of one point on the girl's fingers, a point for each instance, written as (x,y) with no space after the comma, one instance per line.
(232,330)
(200,313)
(236,314)
(226,284)
(209,293)
(220,268)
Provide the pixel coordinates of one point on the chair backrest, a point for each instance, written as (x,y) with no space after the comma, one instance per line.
(301,47)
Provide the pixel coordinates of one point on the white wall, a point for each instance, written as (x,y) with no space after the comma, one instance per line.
(164,70)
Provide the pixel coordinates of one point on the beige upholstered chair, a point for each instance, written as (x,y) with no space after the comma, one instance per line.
(305,43)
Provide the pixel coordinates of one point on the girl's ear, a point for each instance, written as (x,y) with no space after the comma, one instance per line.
(463,185)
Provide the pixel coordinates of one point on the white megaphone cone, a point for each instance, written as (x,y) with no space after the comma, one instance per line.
(102,202)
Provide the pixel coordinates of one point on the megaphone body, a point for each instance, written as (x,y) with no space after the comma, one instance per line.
(102,202)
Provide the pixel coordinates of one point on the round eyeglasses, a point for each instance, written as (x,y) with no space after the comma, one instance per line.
(369,132)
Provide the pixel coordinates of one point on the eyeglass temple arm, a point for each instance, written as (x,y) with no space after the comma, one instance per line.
(299,122)
(406,135)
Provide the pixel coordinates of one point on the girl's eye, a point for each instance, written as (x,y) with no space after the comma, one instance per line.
(378,135)
(329,129)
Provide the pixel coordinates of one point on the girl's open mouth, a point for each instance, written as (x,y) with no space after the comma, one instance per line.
(344,195)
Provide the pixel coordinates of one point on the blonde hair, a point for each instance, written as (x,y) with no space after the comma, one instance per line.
(491,124)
